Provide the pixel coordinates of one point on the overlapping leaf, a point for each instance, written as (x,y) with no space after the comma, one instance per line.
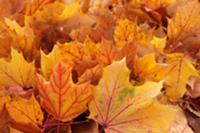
(177,78)
(31,115)
(61,97)
(185,24)
(120,107)
(17,71)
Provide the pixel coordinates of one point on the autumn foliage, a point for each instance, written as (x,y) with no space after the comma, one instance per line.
(99,66)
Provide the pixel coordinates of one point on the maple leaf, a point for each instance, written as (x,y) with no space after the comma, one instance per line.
(185,24)
(23,39)
(128,32)
(100,29)
(17,72)
(146,67)
(49,61)
(80,56)
(178,75)
(61,97)
(120,107)
(31,115)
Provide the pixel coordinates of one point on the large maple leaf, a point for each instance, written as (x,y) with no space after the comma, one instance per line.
(61,97)
(120,107)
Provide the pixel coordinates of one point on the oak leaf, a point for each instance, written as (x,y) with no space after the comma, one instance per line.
(17,71)
(120,107)
(61,97)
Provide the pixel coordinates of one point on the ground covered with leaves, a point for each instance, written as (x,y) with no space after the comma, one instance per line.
(99,66)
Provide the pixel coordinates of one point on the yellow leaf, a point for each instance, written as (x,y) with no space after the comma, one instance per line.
(61,97)
(72,52)
(17,72)
(146,67)
(26,114)
(57,11)
(185,24)
(50,60)
(128,32)
(159,43)
(23,39)
(120,107)
(180,71)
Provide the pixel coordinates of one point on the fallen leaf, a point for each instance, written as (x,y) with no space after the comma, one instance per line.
(49,61)
(61,97)
(178,76)
(23,39)
(185,24)
(17,71)
(120,107)
(31,115)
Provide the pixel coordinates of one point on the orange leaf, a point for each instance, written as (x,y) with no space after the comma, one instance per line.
(26,114)
(61,97)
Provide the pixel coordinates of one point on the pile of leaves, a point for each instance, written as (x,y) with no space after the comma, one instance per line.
(99,66)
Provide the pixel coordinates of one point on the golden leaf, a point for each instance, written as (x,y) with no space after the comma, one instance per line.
(17,72)
(23,39)
(178,75)
(26,114)
(185,24)
(120,107)
(49,61)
